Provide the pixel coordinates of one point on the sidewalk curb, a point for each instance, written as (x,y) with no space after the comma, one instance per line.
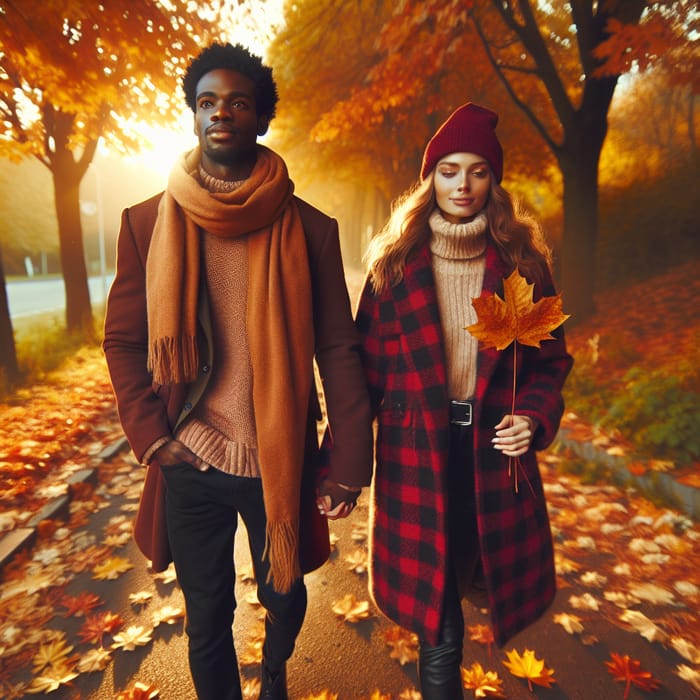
(24,537)
(654,485)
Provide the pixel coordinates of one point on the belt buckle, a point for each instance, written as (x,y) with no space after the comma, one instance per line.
(468,414)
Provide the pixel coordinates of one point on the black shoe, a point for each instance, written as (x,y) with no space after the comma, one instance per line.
(273,686)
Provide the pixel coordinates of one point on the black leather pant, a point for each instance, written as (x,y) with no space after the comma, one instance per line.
(439,666)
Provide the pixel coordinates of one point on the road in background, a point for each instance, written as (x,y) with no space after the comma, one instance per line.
(37,296)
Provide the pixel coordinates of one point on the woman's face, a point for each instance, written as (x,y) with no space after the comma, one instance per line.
(462,184)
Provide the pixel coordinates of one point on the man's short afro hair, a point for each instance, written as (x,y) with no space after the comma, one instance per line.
(236,58)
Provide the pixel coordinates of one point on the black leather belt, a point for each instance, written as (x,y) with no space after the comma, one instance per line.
(461,412)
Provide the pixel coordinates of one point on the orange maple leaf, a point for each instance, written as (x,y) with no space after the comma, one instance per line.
(530,668)
(80,605)
(629,671)
(96,626)
(482,634)
(515,317)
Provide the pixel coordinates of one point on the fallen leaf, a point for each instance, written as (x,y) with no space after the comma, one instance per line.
(132,637)
(52,679)
(96,626)
(641,623)
(571,623)
(350,609)
(111,569)
(482,634)
(357,561)
(139,691)
(689,675)
(629,671)
(485,684)
(404,644)
(80,605)
(94,660)
(529,667)
(169,614)
(53,654)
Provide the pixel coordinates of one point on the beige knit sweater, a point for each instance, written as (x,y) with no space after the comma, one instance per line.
(458,267)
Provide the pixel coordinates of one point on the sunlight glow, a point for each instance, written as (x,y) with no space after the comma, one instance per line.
(251,24)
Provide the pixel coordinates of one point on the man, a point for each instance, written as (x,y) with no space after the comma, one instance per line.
(227,287)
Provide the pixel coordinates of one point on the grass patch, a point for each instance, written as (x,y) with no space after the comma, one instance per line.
(43,345)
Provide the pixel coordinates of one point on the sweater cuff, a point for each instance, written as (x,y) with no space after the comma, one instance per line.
(148,454)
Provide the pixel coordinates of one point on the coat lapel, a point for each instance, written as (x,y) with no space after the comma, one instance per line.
(496,271)
(418,314)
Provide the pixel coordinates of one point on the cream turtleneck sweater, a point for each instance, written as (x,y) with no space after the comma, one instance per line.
(458,267)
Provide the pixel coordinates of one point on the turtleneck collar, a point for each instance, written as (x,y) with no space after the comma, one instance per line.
(215,184)
(457,241)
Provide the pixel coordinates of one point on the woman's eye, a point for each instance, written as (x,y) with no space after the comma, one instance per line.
(480,173)
(447,173)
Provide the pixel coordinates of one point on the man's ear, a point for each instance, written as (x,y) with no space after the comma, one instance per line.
(263,124)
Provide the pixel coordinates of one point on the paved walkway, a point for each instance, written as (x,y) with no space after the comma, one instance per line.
(616,553)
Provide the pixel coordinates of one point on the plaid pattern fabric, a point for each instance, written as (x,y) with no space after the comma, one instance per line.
(405,370)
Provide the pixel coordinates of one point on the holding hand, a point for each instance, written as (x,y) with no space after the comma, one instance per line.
(336,500)
(514,435)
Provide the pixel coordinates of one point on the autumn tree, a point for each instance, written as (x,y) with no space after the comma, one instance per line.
(555,64)
(72,73)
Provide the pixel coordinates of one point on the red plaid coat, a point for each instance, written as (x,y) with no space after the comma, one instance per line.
(405,369)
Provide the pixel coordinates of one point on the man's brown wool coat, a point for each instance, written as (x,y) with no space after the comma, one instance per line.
(405,369)
(148,411)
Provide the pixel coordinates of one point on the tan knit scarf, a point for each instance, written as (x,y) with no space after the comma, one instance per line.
(279,321)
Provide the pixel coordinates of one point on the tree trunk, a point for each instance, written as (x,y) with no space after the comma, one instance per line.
(580,236)
(66,184)
(8,355)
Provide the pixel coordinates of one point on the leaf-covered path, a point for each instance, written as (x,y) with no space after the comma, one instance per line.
(82,617)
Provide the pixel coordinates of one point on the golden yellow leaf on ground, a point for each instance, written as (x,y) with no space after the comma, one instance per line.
(350,609)
(53,654)
(516,317)
(111,569)
(485,684)
(571,623)
(530,668)
(94,660)
(52,679)
(132,637)
(169,614)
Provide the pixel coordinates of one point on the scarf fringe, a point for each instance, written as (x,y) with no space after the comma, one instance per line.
(173,360)
(282,549)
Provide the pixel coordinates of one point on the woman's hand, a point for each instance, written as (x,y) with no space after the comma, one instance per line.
(174,452)
(514,435)
(336,500)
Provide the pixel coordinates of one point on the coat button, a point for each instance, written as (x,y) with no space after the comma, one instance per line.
(187,406)
(205,368)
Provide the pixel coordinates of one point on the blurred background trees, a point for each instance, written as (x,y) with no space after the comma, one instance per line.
(598,105)
(72,73)
(550,69)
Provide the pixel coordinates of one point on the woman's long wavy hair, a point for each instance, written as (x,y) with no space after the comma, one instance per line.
(515,233)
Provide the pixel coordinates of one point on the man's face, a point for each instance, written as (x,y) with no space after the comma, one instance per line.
(226,122)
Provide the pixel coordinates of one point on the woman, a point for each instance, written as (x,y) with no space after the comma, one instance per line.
(445,514)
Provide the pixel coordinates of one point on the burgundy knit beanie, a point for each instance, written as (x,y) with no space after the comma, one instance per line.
(469,129)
